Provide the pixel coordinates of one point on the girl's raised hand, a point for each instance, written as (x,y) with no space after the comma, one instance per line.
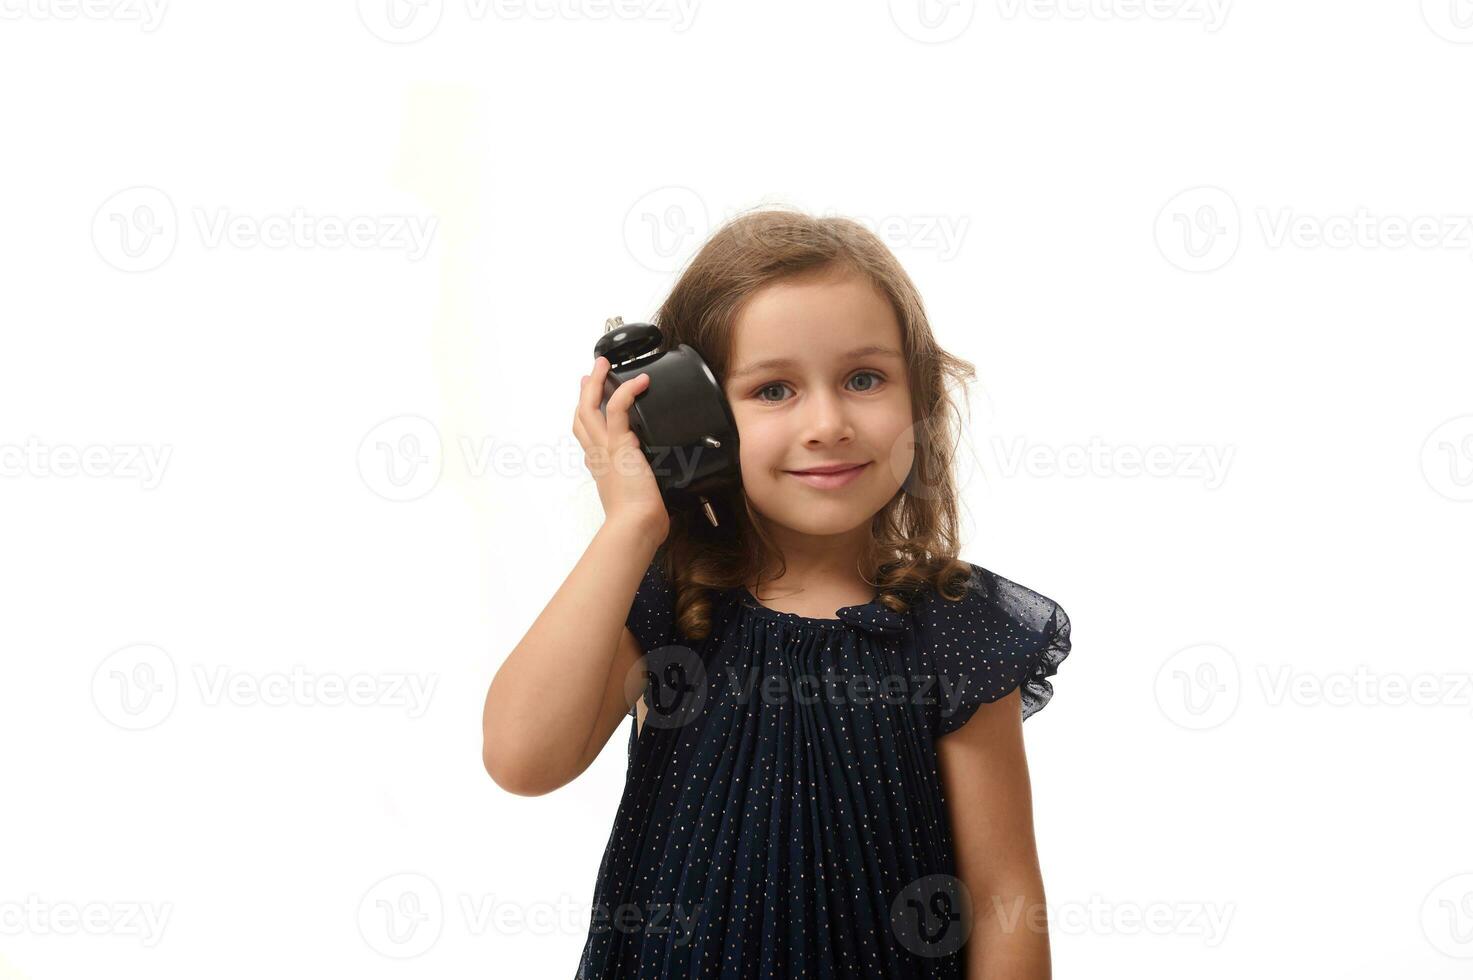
(626,484)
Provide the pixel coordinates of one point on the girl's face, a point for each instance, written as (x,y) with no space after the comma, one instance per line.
(817,377)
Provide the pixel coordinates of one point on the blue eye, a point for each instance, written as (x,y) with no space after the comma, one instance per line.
(768,388)
(879,378)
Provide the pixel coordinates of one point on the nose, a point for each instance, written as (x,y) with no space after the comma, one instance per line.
(825,420)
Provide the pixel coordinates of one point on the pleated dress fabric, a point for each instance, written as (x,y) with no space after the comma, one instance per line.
(783,814)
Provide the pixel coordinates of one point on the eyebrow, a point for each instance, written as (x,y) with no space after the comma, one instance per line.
(773,363)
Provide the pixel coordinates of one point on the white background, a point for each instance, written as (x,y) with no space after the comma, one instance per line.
(1161,228)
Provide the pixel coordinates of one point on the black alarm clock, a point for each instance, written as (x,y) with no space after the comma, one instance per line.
(683,421)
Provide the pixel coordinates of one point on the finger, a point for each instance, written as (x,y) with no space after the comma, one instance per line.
(588,399)
(578,405)
(618,408)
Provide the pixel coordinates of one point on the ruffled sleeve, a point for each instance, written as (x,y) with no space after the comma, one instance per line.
(652,615)
(998,637)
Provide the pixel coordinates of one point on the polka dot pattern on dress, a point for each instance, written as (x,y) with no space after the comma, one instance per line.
(773,832)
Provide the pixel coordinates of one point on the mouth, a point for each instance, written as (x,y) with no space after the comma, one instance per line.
(829,477)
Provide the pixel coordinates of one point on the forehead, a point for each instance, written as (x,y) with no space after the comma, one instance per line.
(813,321)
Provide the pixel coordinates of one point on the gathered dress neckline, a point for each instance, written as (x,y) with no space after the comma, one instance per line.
(835,620)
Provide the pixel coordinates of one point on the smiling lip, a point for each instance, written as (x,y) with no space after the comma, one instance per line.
(830,477)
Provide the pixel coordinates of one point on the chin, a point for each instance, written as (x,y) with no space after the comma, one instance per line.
(819,520)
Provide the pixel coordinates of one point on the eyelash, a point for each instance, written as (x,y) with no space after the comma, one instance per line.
(775,384)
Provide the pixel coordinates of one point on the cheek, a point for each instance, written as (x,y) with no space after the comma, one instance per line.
(894,437)
(899,435)
(760,445)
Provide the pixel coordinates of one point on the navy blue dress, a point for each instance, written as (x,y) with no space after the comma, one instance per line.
(783,813)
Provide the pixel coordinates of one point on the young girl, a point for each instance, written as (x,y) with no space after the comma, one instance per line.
(826,775)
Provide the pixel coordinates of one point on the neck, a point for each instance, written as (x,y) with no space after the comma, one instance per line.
(818,560)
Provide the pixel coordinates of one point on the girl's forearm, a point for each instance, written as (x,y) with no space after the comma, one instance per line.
(1009,938)
(544,700)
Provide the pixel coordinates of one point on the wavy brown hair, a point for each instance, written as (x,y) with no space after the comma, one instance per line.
(914,536)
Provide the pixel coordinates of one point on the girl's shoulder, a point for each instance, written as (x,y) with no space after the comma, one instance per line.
(989,596)
(999,636)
